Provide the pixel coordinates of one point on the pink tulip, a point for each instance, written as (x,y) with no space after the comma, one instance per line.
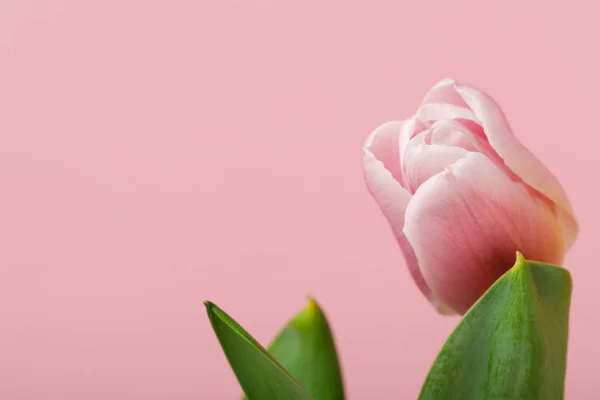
(462,195)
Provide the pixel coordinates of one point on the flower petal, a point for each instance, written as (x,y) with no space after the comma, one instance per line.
(391,197)
(442,111)
(518,158)
(466,223)
(444,92)
(455,134)
(383,143)
(443,102)
(422,161)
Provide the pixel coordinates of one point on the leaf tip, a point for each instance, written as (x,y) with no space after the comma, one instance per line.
(311,303)
(520,263)
(309,314)
(520,258)
(210,310)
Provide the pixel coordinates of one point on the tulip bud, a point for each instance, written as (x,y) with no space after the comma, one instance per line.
(462,195)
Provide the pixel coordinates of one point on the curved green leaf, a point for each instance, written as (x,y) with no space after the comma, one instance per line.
(259,374)
(512,344)
(306,348)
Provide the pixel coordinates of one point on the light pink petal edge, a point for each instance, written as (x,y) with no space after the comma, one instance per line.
(518,158)
(393,200)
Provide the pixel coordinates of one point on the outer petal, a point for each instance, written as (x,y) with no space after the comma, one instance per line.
(466,223)
(391,196)
(444,92)
(443,102)
(443,111)
(383,144)
(518,158)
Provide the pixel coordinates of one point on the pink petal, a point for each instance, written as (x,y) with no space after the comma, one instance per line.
(389,193)
(422,161)
(383,144)
(466,224)
(445,142)
(470,136)
(444,92)
(443,102)
(518,158)
(453,133)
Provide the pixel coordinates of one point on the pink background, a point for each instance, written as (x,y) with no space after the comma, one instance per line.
(154,154)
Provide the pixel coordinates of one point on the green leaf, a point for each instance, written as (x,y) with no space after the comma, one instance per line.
(306,348)
(259,374)
(512,344)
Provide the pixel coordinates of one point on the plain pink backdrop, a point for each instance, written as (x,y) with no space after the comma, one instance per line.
(154,154)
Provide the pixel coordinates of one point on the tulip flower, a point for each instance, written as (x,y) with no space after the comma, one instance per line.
(462,195)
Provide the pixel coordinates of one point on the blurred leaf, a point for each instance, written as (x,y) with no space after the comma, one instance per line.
(512,344)
(306,348)
(261,377)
